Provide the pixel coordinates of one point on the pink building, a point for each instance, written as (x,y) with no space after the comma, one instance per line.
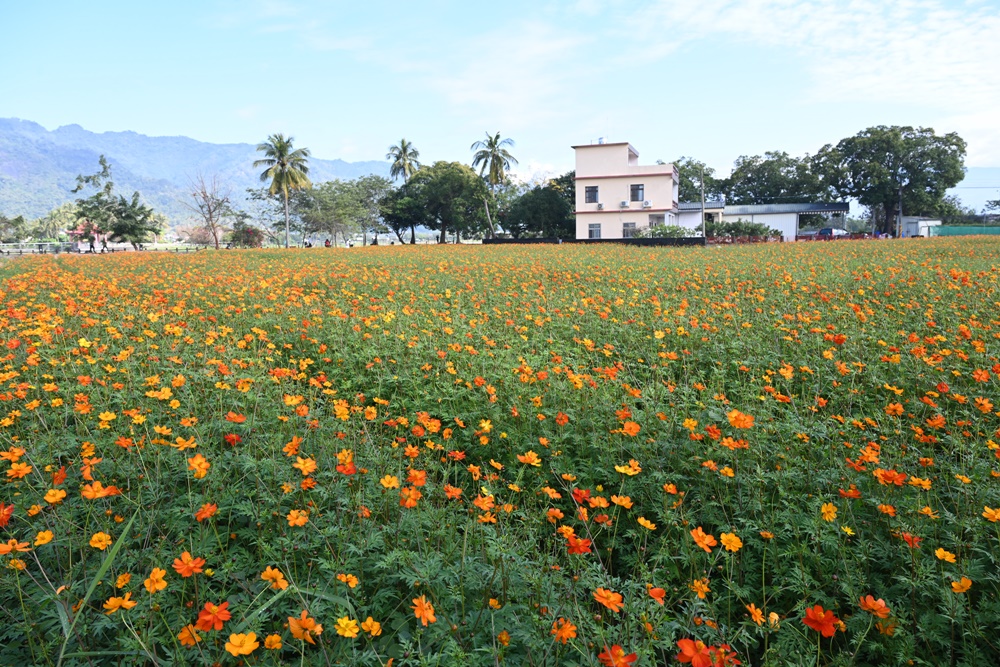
(616,197)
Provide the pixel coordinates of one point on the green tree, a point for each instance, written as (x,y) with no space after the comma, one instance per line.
(494,161)
(542,211)
(245,235)
(12,230)
(55,223)
(452,195)
(772,178)
(327,209)
(882,164)
(287,169)
(689,188)
(404,159)
(405,163)
(402,210)
(106,214)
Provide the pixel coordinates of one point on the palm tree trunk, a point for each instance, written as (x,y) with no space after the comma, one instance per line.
(286,218)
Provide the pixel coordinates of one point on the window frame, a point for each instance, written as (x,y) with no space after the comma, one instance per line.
(637,189)
(590,194)
(629,230)
(593,227)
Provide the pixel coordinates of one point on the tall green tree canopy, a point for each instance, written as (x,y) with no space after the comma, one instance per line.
(690,172)
(876,164)
(453,197)
(404,160)
(104,212)
(12,230)
(543,211)
(286,169)
(493,158)
(772,178)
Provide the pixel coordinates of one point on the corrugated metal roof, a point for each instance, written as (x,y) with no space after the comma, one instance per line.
(696,206)
(761,209)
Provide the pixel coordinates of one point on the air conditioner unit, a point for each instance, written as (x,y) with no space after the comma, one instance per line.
(647,204)
(600,206)
(624,203)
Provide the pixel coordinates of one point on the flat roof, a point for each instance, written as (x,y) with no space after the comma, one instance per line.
(696,206)
(761,209)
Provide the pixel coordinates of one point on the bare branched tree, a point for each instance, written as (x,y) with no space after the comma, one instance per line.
(212,203)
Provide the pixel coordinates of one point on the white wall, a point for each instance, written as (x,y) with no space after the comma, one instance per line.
(786,223)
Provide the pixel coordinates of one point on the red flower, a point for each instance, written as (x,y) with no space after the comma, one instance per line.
(212,616)
(912,540)
(615,657)
(6,512)
(232,439)
(821,620)
(575,545)
(694,652)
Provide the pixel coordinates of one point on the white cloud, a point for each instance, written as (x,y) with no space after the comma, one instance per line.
(930,54)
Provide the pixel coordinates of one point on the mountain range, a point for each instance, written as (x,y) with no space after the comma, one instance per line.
(38,167)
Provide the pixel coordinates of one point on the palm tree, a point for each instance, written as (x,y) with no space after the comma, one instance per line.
(286,168)
(404,159)
(492,155)
(404,163)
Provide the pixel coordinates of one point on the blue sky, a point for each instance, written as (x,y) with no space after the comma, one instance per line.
(713,79)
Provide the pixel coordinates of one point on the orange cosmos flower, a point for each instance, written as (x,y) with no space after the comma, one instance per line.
(54,496)
(306,465)
(756,615)
(100,541)
(417,477)
(242,644)
(304,627)
(187,566)
(156,581)
(12,546)
(212,616)
(453,492)
(423,610)
(615,657)
(703,539)
(609,599)
(875,607)
(530,458)
(372,627)
(200,465)
(731,542)
(188,636)
(630,428)
(563,630)
(277,579)
(821,620)
(235,418)
(115,603)
(18,470)
(694,652)
(408,496)
(738,419)
(298,518)
(657,594)
(207,511)
(962,585)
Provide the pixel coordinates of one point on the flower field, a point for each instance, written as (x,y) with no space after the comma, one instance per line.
(784,454)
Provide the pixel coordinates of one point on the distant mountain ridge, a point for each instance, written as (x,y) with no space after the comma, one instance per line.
(38,167)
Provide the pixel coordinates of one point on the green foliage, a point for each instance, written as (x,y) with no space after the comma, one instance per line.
(453,198)
(667,232)
(287,169)
(876,163)
(12,230)
(493,158)
(775,177)
(689,188)
(738,229)
(245,235)
(112,216)
(542,211)
(404,160)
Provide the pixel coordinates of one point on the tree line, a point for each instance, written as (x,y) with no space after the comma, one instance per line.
(881,167)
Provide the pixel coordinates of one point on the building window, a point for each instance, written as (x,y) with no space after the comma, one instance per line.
(594,230)
(637,192)
(656,219)
(590,194)
(628,230)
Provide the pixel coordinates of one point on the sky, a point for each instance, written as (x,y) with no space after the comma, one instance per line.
(712,79)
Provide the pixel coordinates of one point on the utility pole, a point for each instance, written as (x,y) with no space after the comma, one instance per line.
(704,235)
(899,214)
